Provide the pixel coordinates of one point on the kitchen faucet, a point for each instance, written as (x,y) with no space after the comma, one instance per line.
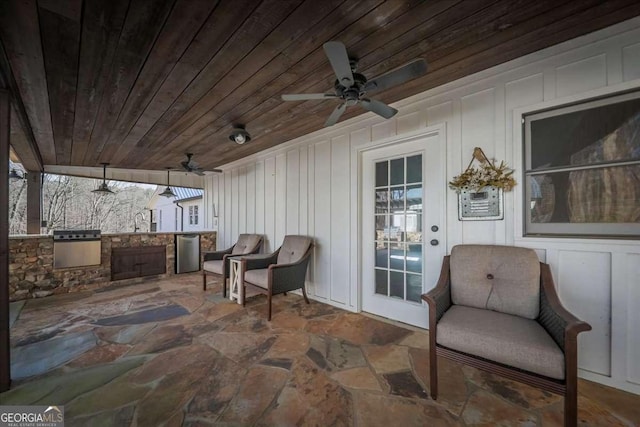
(135,221)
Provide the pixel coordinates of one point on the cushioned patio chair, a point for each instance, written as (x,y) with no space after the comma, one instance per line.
(495,308)
(218,262)
(280,272)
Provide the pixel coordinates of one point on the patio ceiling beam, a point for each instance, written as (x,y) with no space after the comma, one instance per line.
(23,141)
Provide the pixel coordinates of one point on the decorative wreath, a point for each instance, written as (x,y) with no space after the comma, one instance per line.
(487,174)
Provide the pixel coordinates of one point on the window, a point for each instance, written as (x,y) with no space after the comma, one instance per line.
(193,215)
(582,169)
(398,233)
(160,219)
(175,225)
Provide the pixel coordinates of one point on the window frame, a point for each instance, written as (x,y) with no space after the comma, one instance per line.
(567,229)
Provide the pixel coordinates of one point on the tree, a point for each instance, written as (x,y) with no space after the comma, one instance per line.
(18,206)
(69,203)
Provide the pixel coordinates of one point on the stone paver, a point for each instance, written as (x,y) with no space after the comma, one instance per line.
(145,316)
(167,353)
(42,356)
(487,409)
(358,378)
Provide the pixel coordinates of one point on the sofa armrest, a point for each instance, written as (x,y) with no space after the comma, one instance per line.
(255,262)
(563,326)
(216,255)
(287,277)
(439,298)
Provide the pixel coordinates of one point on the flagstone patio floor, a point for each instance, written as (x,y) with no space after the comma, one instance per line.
(168,353)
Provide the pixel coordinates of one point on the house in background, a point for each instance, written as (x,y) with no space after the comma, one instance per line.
(182,213)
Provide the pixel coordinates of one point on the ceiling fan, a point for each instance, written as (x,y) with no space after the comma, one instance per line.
(351,87)
(190,165)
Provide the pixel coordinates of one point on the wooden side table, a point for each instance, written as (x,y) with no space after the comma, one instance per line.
(236,287)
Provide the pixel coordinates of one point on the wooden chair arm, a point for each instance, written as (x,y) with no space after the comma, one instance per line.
(216,255)
(259,262)
(562,325)
(439,298)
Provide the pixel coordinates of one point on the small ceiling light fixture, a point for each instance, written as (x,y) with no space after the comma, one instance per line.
(168,192)
(240,135)
(103,188)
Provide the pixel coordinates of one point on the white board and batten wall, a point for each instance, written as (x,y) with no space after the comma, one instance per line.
(310,186)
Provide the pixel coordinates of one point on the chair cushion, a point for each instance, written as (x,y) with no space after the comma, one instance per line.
(245,244)
(503,338)
(258,277)
(293,249)
(500,278)
(213,266)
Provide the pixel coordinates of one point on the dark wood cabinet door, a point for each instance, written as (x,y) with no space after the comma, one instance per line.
(127,263)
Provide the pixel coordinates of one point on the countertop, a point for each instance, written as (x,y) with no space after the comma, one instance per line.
(40,236)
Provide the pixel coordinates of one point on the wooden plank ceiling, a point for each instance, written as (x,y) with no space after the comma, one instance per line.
(138,83)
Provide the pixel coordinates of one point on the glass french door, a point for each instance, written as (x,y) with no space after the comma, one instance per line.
(398,228)
(401,196)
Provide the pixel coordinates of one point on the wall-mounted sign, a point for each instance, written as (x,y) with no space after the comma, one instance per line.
(483,205)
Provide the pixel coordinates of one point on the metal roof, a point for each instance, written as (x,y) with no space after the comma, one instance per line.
(183,193)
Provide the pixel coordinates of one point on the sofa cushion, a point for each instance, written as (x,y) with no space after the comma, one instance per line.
(503,338)
(213,266)
(246,244)
(258,277)
(293,249)
(500,278)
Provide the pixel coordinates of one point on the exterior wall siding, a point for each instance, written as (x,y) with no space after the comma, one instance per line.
(310,186)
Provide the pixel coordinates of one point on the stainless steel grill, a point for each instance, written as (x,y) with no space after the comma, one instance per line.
(76,248)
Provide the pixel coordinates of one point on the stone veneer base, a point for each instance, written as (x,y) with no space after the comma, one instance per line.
(31,272)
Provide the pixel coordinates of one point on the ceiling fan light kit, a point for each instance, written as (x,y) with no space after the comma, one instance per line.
(239,135)
(191,166)
(103,188)
(351,87)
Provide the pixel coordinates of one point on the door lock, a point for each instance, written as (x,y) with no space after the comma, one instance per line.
(434,228)
(434,242)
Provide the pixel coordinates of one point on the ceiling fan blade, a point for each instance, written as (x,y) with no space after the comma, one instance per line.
(339,59)
(410,71)
(307,96)
(335,115)
(198,172)
(380,108)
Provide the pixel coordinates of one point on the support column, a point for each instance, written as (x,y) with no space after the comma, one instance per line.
(5,359)
(34,202)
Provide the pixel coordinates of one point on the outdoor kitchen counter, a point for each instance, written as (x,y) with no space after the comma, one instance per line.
(159,232)
(32,275)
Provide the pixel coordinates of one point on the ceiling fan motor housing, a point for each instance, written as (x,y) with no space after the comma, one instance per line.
(353,93)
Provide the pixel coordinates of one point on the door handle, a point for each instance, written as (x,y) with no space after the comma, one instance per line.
(434,242)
